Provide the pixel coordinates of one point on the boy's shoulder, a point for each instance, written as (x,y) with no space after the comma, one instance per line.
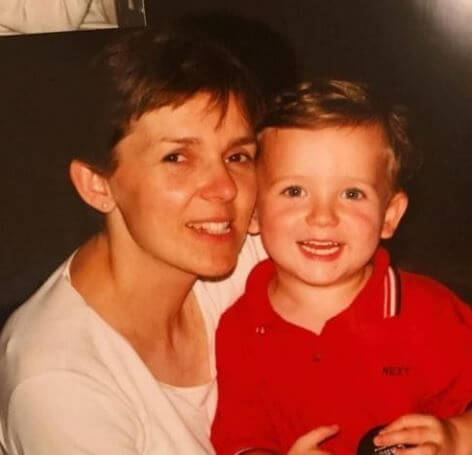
(424,297)
(243,312)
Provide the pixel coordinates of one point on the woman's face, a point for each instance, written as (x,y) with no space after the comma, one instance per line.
(185,187)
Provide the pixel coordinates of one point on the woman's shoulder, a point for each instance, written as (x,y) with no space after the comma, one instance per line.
(54,331)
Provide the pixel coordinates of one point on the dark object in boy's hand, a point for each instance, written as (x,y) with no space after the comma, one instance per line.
(367,447)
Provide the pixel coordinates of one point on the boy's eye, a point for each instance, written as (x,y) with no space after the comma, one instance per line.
(353,193)
(293,191)
(174,157)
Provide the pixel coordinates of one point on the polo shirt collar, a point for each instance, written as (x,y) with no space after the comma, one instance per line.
(377,300)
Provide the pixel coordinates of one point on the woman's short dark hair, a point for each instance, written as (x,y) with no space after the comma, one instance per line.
(145,70)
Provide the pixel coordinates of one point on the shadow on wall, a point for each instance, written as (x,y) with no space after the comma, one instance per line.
(254,42)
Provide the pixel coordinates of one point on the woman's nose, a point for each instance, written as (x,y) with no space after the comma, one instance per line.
(219,184)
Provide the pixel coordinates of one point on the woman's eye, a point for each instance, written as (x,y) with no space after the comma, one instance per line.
(240,158)
(354,194)
(293,191)
(173,158)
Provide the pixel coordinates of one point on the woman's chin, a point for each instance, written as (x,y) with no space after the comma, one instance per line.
(214,270)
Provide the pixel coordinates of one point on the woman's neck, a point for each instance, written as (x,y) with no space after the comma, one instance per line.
(130,289)
(151,305)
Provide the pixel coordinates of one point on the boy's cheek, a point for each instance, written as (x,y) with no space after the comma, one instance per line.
(367,219)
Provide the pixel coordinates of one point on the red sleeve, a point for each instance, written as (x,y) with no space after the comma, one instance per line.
(241,421)
(454,340)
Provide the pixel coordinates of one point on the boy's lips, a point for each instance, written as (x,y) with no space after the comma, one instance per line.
(320,247)
(211,227)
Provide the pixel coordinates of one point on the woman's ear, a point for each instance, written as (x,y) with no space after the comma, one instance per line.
(92,187)
(395,210)
(254,223)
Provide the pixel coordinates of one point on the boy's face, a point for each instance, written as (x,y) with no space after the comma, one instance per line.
(325,200)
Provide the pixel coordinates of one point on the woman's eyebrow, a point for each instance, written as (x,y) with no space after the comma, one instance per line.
(239,141)
(181,140)
(244,140)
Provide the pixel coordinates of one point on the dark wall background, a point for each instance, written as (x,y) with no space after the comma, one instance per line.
(396,44)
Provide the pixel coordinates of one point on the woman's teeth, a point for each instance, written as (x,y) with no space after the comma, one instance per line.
(212,227)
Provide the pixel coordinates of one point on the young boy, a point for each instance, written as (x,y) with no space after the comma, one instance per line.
(328,335)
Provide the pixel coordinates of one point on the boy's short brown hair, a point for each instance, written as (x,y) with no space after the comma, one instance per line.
(326,102)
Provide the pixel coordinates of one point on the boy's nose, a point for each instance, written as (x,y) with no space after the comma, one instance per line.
(219,184)
(322,214)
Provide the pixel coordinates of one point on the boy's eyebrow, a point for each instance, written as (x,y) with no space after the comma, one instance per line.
(278,179)
(286,177)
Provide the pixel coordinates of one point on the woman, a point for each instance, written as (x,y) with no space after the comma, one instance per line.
(114,353)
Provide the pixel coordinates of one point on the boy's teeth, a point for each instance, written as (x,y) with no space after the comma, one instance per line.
(320,247)
(212,227)
(321,243)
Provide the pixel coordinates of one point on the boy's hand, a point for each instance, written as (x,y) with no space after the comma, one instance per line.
(429,435)
(308,443)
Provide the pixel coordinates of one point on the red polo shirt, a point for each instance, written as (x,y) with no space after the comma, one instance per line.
(372,363)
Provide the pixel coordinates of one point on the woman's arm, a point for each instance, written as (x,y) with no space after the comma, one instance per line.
(68,413)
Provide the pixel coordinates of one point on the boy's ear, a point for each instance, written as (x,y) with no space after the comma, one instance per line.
(92,187)
(254,223)
(394,213)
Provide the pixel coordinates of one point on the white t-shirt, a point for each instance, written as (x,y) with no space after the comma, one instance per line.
(70,384)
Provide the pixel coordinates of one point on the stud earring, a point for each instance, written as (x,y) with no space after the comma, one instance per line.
(104,205)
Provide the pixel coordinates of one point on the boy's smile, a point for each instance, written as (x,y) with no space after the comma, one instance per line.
(323,249)
(325,200)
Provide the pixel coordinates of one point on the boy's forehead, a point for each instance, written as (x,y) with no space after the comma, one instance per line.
(372,135)
(268,132)
(357,146)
